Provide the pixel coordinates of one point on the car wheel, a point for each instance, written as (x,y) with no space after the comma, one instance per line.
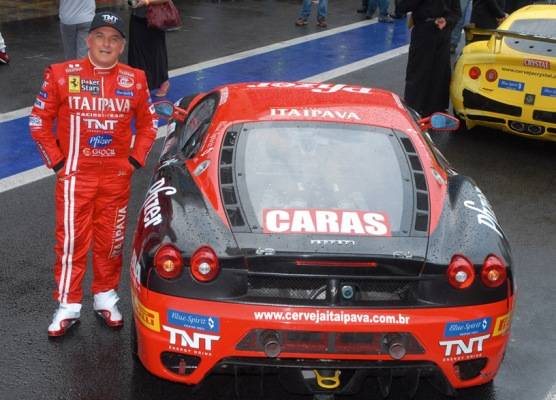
(134,344)
(462,124)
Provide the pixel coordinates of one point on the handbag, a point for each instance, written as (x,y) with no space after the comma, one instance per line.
(163,16)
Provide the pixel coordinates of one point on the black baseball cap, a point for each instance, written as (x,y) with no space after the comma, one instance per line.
(107,18)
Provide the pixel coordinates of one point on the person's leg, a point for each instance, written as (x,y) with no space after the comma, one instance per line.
(384,16)
(305,10)
(456,31)
(4,58)
(322,12)
(68,33)
(74,208)
(420,59)
(80,37)
(109,224)
(371,8)
(363,8)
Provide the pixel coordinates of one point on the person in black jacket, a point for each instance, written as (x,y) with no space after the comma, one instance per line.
(428,73)
(487,14)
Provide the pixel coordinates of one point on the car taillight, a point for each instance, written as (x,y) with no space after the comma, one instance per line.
(204,264)
(491,75)
(474,72)
(493,273)
(168,261)
(461,273)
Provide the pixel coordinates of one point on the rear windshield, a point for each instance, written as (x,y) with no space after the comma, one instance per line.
(324,178)
(539,27)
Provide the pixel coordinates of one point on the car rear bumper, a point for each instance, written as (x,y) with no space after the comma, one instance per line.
(527,121)
(183,340)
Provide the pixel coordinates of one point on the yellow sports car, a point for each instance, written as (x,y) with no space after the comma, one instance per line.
(508,81)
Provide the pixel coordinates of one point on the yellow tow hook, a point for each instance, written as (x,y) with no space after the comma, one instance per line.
(328,382)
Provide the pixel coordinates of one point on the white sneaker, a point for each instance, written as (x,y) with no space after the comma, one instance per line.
(105,306)
(64,318)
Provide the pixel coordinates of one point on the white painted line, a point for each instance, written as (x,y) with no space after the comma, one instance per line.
(23,178)
(551,395)
(10,115)
(35,174)
(41,172)
(23,112)
(269,48)
(356,66)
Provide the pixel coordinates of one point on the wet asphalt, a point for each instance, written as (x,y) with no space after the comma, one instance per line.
(517,175)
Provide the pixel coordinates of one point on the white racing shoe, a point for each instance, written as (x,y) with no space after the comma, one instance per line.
(64,318)
(105,306)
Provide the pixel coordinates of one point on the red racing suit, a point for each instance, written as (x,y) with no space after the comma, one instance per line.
(90,148)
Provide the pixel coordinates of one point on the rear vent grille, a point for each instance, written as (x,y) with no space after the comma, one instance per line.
(313,290)
(421,193)
(545,116)
(227,181)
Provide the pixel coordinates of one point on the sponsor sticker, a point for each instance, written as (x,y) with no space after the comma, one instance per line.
(502,325)
(531,62)
(196,342)
(125,81)
(74,84)
(126,93)
(194,321)
(151,206)
(326,221)
(485,214)
(35,121)
(90,86)
(43,94)
(467,328)
(314,113)
(462,349)
(511,85)
(149,318)
(39,104)
(548,91)
(73,68)
(110,152)
(100,141)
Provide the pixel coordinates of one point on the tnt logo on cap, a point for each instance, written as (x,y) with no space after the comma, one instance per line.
(107,18)
(110,19)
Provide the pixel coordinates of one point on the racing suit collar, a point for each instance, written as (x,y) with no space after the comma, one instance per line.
(101,70)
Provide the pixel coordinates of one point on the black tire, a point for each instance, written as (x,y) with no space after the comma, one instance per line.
(134,343)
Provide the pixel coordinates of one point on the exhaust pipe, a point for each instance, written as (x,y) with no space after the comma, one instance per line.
(396,346)
(271,343)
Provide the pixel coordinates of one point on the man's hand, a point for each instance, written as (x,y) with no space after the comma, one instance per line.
(440,22)
(500,20)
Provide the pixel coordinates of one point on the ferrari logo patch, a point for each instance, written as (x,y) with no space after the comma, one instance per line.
(74,84)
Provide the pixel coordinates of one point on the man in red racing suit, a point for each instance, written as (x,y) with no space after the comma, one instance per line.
(93,101)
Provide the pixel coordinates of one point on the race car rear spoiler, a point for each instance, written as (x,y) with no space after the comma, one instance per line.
(471,32)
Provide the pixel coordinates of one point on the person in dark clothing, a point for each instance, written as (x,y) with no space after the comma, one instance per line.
(487,14)
(428,73)
(147,48)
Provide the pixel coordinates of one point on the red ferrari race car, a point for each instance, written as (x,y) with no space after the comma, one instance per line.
(315,232)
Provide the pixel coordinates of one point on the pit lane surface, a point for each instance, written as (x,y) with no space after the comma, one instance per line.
(92,362)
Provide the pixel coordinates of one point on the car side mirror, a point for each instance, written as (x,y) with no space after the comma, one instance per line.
(167,109)
(439,122)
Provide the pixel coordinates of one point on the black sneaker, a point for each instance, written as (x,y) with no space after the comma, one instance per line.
(301,22)
(321,23)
